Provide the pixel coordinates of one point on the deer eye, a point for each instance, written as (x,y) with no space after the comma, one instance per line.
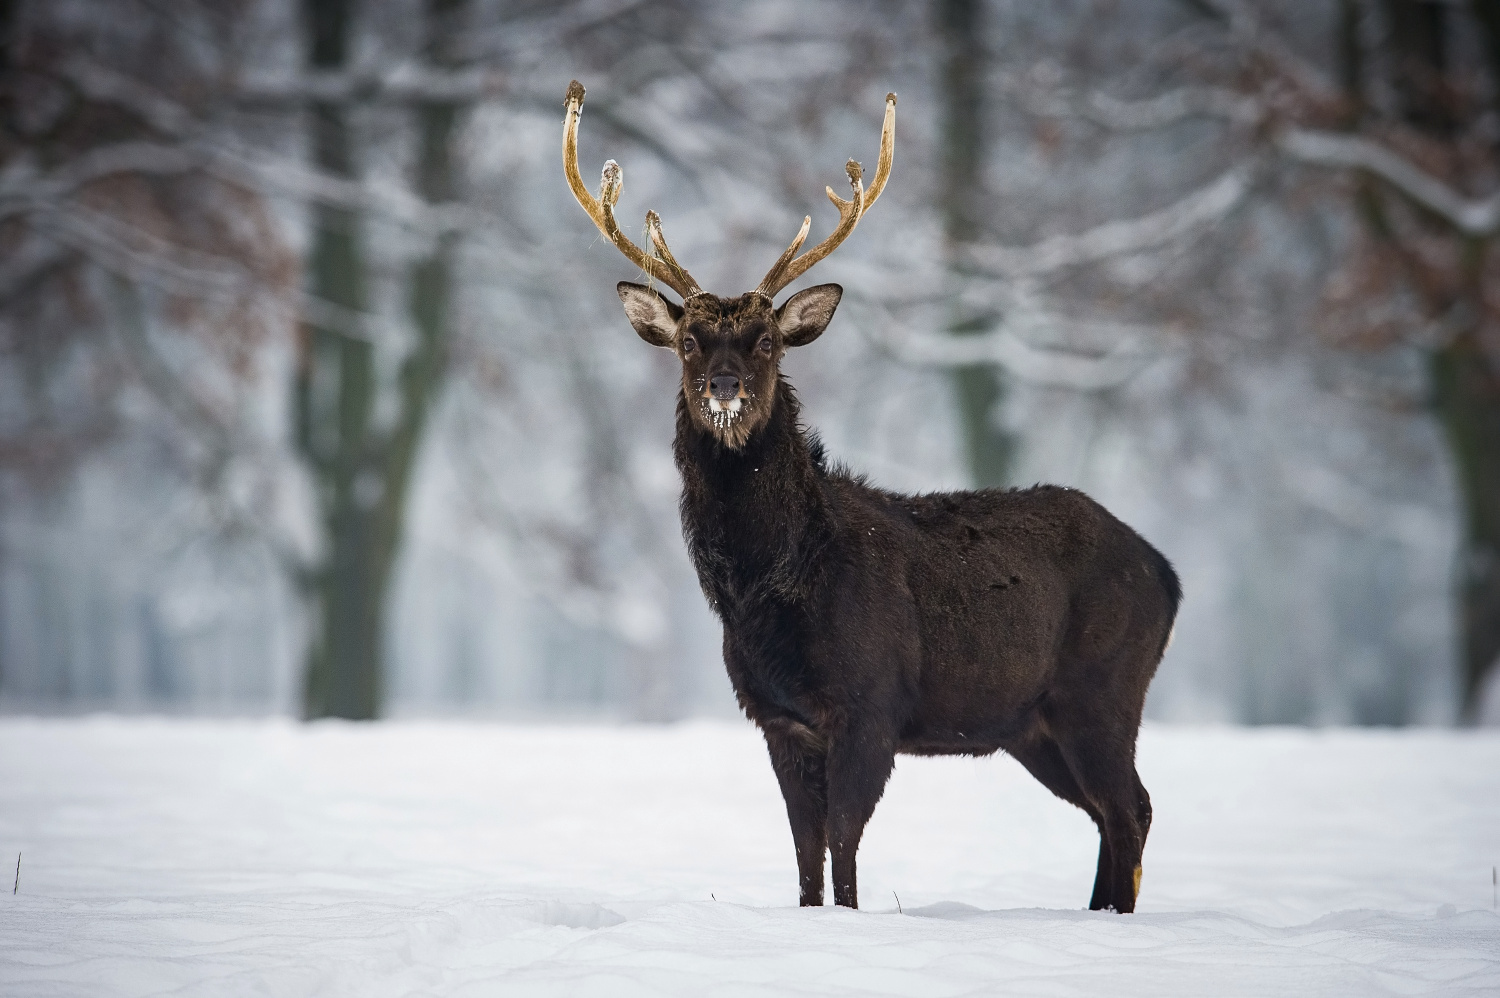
(765,344)
(689,344)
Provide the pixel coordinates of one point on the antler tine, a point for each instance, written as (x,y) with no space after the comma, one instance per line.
(602,210)
(774,274)
(659,241)
(887,152)
(787,269)
(784,273)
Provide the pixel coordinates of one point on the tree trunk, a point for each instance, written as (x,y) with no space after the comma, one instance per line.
(334,399)
(430,296)
(7,127)
(1466,394)
(364,474)
(978,387)
(1465,374)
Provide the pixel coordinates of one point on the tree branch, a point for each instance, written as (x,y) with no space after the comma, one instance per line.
(1471,216)
(20,192)
(406,83)
(125,250)
(233,162)
(1164,110)
(1011,345)
(1202,207)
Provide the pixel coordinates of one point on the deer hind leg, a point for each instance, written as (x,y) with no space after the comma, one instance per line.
(1128,819)
(859,763)
(1103,763)
(802,773)
(1044,760)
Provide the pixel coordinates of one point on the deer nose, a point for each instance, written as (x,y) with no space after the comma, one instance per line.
(724,386)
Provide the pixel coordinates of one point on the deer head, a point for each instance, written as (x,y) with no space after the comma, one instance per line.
(730,348)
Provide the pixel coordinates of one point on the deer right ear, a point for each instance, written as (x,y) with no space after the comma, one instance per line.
(654,318)
(807,313)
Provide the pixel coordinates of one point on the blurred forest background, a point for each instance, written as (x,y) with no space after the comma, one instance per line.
(316,397)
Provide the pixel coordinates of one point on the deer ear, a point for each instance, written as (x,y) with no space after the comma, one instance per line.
(805,315)
(654,318)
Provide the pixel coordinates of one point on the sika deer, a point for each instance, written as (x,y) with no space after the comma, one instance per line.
(859,623)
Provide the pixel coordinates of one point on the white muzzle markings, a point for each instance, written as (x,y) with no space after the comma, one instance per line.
(724,413)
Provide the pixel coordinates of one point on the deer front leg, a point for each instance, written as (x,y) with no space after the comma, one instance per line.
(800,770)
(859,763)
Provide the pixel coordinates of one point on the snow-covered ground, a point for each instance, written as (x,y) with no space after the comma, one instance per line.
(445,859)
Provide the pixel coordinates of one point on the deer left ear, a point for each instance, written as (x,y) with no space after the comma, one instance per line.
(805,315)
(653,317)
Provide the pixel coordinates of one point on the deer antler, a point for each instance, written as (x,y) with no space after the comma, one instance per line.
(790,266)
(663,267)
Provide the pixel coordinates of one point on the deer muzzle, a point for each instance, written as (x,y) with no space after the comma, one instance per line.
(724,386)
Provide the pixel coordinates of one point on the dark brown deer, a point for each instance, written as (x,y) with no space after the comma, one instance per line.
(859,623)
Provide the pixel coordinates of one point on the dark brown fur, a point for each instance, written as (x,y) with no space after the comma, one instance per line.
(859,623)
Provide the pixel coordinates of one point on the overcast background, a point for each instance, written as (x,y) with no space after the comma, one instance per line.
(316,397)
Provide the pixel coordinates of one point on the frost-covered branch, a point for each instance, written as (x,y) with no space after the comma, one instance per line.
(289,177)
(1247,33)
(21,190)
(49,201)
(1059,368)
(243,167)
(1013,345)
(233,161)
(1201,208)
(408,82)
(129,251)
(1161,111)
(163,382)
(133,252)
(109,86)
(1471,216)
(1323,488)
(1170,108)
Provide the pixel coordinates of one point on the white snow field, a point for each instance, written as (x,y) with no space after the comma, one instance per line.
(270,858)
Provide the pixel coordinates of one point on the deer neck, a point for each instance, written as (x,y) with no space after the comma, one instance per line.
(752,517)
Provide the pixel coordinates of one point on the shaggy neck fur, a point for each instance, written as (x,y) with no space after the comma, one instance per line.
(755,517)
